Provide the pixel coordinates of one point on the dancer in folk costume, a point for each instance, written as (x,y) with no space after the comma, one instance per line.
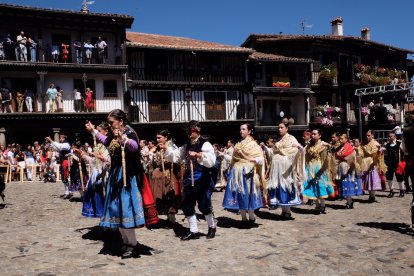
(64,148)
(226,156)
(243,190)
(283,174)
(77,170)
(165,177)
(317,183)
(100,162)
(128,201)
(198,184)
(333,164)
(347,173)
(371,166)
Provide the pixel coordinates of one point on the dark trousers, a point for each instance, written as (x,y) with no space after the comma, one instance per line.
(199,194)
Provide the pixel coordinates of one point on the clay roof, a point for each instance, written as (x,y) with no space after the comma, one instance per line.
(156,41)
(327,38)
(259,56)
(19,7)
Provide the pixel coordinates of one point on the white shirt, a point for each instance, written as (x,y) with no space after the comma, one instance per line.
(208,158)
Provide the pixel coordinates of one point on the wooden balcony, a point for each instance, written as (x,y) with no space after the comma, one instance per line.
(317,82)
(181,112)
(198,76)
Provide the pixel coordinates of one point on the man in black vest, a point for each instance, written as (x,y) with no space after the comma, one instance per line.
(198,184)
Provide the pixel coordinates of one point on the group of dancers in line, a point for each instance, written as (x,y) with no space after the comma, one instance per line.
(125,196)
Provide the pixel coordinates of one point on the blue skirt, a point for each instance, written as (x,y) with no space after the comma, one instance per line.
(351,187)
(235,200)
(93,199)
(123,205)
(282,197)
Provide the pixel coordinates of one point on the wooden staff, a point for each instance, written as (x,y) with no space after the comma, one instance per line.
(192,172)
(81,173)
(162,164)
(94,142)
(123,164)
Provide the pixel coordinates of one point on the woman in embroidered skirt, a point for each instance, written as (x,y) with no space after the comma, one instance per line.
(164,179)
(281,185)
(347,174)
(317,184)
(100,161)
(123,207)
(370,167)
(245,178)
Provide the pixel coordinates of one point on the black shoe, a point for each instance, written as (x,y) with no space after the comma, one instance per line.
(349,205)
(189,236)
(371,199)
(287,216)
(251,222)
(211,232)
(391,194)
(129,252)
(321,210)
(309,202)
(402,192)
(272,207)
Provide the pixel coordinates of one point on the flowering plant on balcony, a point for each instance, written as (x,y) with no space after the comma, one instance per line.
(374,76)
(325,114)
(328,74)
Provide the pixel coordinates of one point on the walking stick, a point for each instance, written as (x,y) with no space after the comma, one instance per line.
(192,172)
(123,164)
(81,173)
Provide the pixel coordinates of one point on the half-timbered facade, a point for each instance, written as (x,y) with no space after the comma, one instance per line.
(173,80)
(55,60)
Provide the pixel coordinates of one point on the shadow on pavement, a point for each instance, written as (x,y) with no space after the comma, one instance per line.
(225,222)
(402,228)
(335,206)
(112,242)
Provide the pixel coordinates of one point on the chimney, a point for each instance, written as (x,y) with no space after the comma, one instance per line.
(365,34)
(337,28)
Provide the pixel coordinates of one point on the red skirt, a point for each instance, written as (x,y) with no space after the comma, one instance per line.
(150,211)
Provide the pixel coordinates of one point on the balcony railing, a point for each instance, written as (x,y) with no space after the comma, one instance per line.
(317,81)
(200,112)
(145,74)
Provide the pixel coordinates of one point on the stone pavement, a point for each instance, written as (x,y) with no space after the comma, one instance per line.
(42,234)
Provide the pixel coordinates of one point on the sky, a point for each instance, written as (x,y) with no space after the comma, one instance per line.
(231,21)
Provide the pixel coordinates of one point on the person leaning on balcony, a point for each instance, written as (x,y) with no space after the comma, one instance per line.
(6,97)
(51,95)
(33,48)
(89,100)
(78,45)
(21,49)
(88,51)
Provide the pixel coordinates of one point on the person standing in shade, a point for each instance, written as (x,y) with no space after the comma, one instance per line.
(101,46)
(51,95)
(77,44)
(77,98)
(198,184)
(29,100)
(21,49)
(33,49)
(89,100)
(243,191)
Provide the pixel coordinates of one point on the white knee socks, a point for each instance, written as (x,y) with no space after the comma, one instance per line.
(210,221)
(243,214)
(192,223)
(251,215)
(389,182)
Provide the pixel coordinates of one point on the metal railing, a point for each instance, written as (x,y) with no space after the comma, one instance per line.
(315,78)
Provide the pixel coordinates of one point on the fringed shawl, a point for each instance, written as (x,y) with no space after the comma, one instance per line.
(243,151)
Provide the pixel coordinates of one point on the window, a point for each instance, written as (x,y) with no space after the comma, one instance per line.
(110,90)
